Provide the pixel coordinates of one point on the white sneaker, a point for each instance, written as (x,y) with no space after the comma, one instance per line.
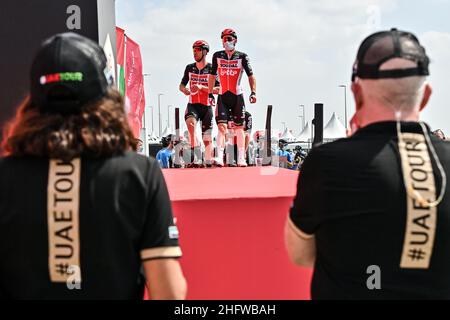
(242,163)
(198,162)
(218,162)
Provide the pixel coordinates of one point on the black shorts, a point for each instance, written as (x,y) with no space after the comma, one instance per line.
(201,113)
(248,123)
(230,107)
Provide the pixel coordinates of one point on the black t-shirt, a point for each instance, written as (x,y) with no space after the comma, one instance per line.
(351,196)
(125,217)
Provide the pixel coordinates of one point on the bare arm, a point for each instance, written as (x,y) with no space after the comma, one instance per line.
(300,246)
(184,89)
(165,279)
(211,82)
(252,83)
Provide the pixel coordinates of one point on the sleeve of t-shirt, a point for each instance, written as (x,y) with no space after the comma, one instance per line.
(247,66)
(185,79)
(159,158)
(306,208)
(214,65)
(160,235)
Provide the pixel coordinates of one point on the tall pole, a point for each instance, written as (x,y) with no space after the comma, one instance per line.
(151,115)
(303,117)
(145,142)
(168,115)
(345,103)
(159,112)
(345,99)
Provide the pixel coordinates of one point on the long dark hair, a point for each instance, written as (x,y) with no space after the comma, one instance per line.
(100,129)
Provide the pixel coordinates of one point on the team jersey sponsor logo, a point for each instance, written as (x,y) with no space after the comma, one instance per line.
(230,64)
(228,72)
(201,79)
(234,64)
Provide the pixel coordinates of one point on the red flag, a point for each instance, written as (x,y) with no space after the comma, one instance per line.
(134,86)
(120,35)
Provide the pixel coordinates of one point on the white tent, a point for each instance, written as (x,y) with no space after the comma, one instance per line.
(167,131)
(288,136)
(334,129)
(305,136)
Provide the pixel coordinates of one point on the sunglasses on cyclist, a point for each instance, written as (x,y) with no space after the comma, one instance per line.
(228,39)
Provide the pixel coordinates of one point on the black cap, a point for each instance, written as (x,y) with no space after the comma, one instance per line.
(68,71)
(386,45)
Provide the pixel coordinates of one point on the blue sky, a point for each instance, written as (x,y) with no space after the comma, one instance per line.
(300,50)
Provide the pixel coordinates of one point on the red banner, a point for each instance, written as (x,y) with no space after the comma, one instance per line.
(134,86)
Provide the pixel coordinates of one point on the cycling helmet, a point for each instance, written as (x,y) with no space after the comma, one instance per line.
(229,32)
(201,44)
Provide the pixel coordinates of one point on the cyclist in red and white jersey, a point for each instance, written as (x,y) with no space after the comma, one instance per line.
(229,65)
(200,103)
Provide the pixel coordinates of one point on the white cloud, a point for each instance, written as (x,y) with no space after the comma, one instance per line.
(300,50)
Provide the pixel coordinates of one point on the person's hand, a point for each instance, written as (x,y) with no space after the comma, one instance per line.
(253,98)
(212,100)
(195,88)
(187,92)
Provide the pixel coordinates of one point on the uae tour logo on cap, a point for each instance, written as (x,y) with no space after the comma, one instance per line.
(62,77)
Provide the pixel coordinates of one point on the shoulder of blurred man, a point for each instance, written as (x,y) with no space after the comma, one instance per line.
(348,156)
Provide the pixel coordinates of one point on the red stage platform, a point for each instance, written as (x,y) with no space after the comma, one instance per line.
(231,223)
